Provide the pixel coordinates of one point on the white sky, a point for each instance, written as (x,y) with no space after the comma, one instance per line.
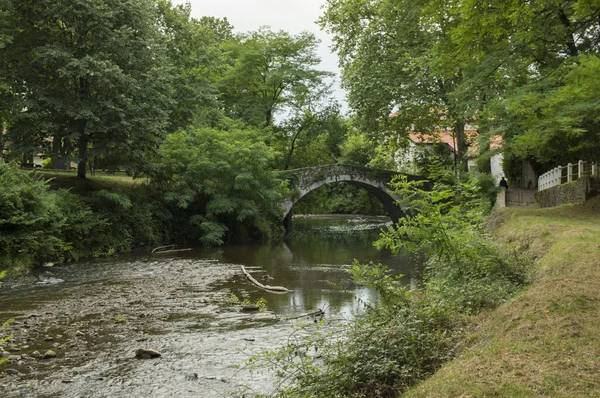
(293,16)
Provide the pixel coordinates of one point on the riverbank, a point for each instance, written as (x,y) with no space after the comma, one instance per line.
(546,340)
(188,306)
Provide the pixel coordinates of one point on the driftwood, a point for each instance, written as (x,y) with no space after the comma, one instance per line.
(272,289)
(174,251)
(316,313)
(169,251)
(163,247)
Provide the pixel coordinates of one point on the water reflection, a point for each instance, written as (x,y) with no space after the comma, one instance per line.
(313,263)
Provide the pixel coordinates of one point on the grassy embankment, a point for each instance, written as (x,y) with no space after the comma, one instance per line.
(545,341)
(68,180)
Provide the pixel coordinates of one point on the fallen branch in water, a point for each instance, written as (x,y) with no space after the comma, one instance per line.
(272,289)
(316,313)
(174,251)
(163,247)
(169,251)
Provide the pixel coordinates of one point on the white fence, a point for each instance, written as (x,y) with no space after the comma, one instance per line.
(574,171)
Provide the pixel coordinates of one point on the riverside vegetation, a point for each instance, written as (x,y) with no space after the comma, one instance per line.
(221,193)
(508,307)
(408,334)
(546,340)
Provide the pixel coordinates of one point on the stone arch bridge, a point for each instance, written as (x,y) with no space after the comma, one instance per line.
(374,181)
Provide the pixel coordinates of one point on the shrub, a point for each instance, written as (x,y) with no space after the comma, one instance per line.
(134,219)
(39,225)
(4,339)
(220,182)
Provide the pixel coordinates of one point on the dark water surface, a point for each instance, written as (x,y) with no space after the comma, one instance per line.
(95,314)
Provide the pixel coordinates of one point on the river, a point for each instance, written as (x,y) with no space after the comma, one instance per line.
(95,314)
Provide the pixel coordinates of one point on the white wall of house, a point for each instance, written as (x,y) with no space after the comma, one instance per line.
(496,165)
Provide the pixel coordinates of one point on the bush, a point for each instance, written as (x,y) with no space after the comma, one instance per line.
(4,339)
(221,183)
(39,225)
(134,220)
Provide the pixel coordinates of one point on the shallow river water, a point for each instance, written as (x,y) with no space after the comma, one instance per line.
(94,315)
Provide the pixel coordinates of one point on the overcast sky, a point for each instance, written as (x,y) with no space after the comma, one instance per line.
(293,16)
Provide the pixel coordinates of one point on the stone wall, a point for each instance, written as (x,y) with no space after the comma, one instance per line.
(574,192)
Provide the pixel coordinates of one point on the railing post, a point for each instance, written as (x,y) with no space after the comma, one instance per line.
(594,169)
(569,172)
(579,169)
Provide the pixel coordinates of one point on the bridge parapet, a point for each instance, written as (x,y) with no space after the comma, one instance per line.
(375,181)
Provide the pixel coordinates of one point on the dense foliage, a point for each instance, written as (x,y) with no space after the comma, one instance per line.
(524,70)
(92,76)
(223,179)
(39,225)
(4,338)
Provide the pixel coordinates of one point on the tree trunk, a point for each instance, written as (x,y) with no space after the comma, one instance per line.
(269,116)
(81,125)
(83,151)
(461,145)
(1,140)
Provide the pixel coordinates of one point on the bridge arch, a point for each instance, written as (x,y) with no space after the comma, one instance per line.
(374,181)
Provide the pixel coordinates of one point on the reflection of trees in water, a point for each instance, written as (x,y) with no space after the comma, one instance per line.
(332,238)
(313,262)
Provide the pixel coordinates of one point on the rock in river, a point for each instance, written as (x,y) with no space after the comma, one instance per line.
(146,354)
(50,354)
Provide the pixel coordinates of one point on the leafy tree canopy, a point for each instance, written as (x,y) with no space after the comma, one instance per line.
(523,69)
(223,176)
(390,63)
(268,72)
(194,48)
(93,75)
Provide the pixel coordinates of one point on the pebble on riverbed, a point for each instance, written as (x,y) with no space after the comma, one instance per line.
(50,354)
(36,355)
(143,353)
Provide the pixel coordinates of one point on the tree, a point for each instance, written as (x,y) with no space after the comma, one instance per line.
(92,75)
(222,178)
(194,48)
(5,94)
(547,56)
(312,133)
(268,71)
(392,64)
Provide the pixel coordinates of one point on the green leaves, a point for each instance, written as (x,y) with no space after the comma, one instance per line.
(393,64)
(39,225)
(267,72)
(225,177)
(109,91)
(561,123)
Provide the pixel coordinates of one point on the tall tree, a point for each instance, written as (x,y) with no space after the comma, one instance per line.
(390,59)
(91,74)
(5,93)
(311,136)
(547,55)
(268,70)
(194,47)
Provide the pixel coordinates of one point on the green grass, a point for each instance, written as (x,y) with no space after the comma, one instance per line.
(101,180)
(545,341)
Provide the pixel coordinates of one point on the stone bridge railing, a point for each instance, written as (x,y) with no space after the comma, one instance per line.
(375,181)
